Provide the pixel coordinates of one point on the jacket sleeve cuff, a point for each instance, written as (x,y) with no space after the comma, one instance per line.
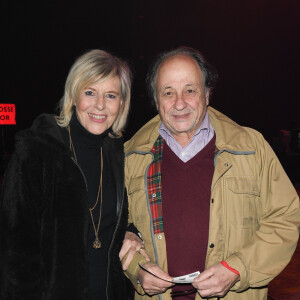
(236,262)
(225,264)
(133,270)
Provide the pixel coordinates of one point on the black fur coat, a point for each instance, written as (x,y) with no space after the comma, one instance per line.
(44,220)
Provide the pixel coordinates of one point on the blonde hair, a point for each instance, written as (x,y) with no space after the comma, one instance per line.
(90,68)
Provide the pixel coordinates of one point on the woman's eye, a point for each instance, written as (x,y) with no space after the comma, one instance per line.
(89,93)
(110,96)
(168,93)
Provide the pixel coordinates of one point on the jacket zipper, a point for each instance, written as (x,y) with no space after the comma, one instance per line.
(148,205)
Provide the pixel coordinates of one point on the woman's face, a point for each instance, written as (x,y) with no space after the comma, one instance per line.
(98,105)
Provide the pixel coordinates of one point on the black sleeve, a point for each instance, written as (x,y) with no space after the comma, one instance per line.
(19,234)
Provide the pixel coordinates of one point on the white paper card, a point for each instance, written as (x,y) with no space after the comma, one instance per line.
(189,278)
(181,279)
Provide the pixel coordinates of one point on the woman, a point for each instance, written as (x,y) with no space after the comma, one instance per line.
(63,214)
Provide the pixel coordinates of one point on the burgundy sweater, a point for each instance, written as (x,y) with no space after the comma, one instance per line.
(186,191)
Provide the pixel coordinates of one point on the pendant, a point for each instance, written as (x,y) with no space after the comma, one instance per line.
(97,244)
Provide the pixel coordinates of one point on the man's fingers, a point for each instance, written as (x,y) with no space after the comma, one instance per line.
(157,271)
(206,293)
(151,284)
(202,283)
(155,286)
(215,281)
(203,275)
(152,292)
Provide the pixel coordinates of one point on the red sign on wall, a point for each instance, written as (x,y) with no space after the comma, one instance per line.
(7,114)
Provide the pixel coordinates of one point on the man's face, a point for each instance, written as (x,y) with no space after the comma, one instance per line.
(181,98)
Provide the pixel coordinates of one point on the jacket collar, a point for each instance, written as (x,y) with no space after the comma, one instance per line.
(230,136)
(144,139)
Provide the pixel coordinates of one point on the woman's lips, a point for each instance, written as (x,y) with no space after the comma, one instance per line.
(97,118)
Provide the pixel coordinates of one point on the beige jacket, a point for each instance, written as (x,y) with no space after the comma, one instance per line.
(254,212)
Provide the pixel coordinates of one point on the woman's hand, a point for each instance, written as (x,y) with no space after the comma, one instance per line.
(131,244)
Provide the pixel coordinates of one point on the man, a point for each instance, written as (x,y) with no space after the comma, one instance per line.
(205,193)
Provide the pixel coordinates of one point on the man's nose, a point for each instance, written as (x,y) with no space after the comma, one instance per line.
(179,103)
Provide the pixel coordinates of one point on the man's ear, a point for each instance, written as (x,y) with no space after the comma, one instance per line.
(207,98)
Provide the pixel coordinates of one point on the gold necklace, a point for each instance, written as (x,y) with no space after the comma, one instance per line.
(96,243)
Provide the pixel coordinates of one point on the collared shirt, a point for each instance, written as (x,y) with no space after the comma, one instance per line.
(198,141)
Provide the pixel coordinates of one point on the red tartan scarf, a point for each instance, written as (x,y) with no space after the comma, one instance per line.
(154,186)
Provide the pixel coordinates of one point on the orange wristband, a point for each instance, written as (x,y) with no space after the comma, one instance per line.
(225,264)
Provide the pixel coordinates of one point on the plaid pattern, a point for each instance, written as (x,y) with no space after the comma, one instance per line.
(154,186)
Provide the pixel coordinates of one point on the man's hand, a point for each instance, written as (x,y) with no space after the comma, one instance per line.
(150,283)
(215,281)
(131,244)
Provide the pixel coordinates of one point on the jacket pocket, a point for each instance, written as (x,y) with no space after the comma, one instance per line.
(137,200)
(242,201)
